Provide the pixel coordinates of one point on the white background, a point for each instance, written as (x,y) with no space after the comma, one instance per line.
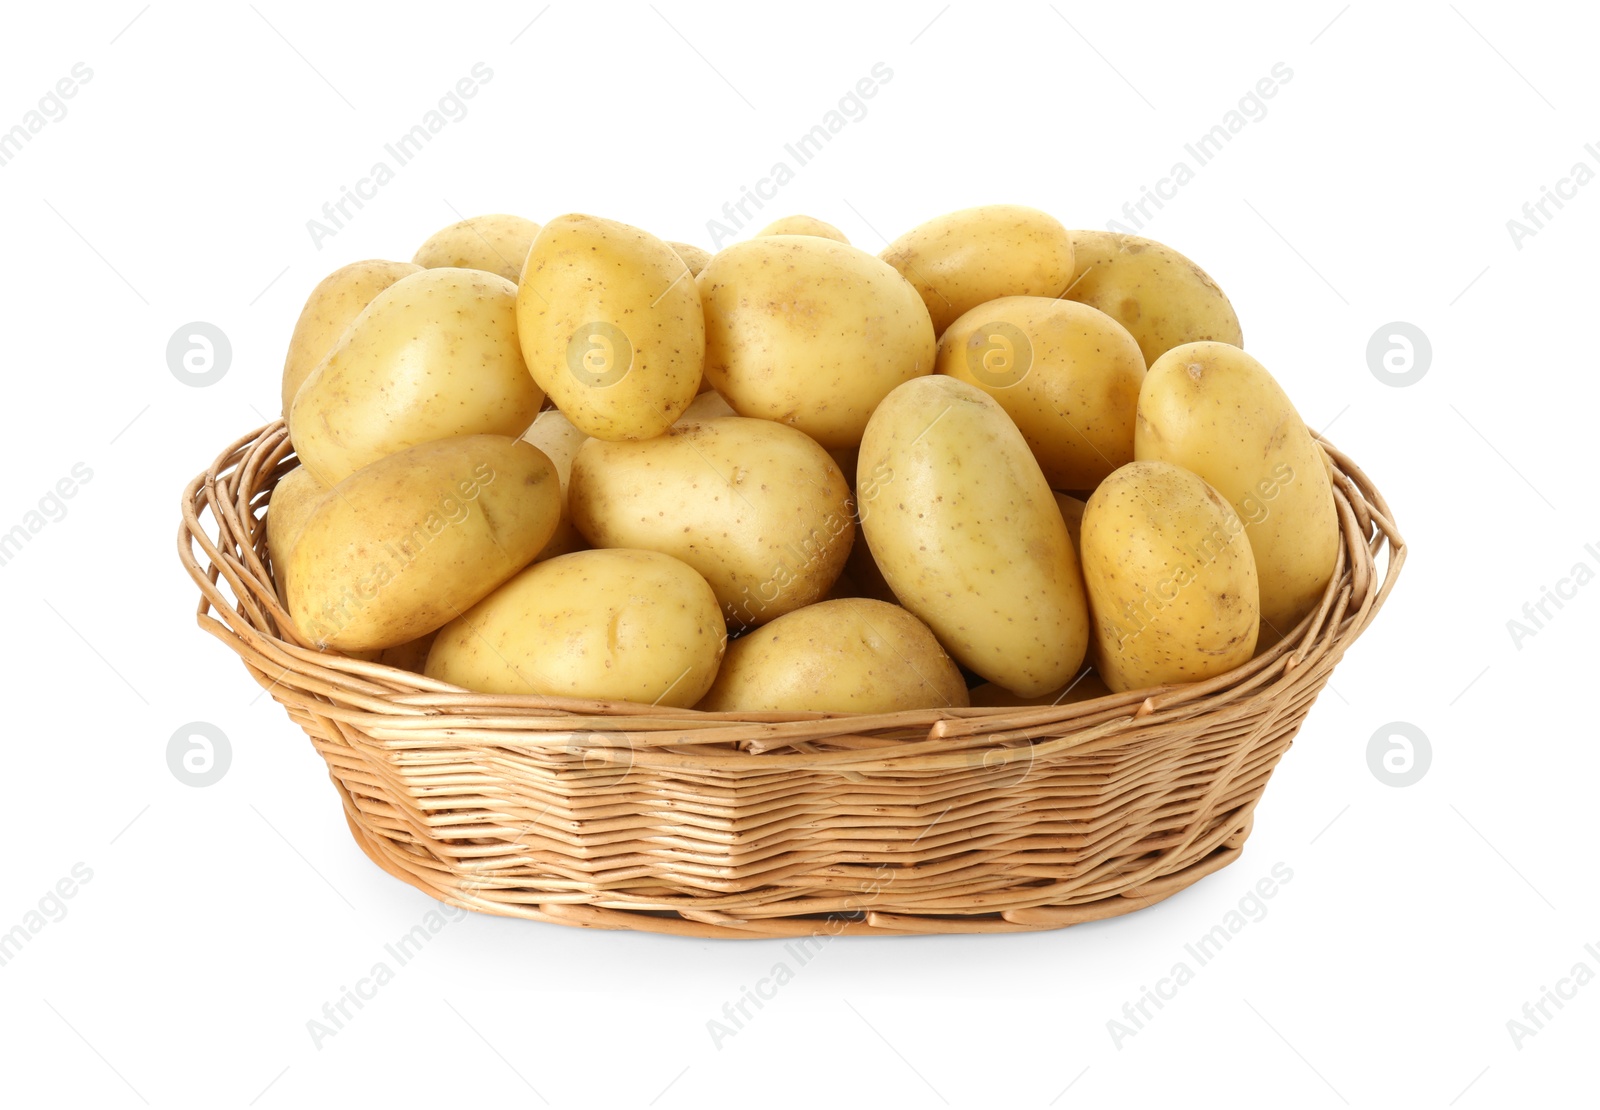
(1377,188)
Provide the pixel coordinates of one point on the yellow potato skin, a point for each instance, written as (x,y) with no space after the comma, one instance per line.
(1172,583)
(435,355)
(328,313)
(1068,375)
(1161,297)
(497,243)
(848,656)
(803,225)
(559,439)
(1215,410)
(810,333)
(962,524)
(693,257)
(404,545)
(962,259)
(616,625)
(758,509)
(293,500)
(611,326)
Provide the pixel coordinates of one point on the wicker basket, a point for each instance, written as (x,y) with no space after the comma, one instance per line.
(624,816)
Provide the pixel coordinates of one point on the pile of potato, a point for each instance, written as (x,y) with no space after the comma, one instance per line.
(1001,463)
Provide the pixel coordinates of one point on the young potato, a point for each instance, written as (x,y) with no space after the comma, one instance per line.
(617,625)
(962,259)
(962,524)
(811,333)
(556,436)
(1067,374)
(1086,687)
(803,225)
(1212,409)
(330,310)
(403,545)
(848,656)
(1172,583)
(611,326)
(1161,297)
(434,355)
(758,509)
(695,258)
(497,243)
(293,500)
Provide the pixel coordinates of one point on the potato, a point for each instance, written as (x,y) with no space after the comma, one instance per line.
(1086,687)
(611,326)
(330,310)
(1172,583)
(758,509)
(803,225)
(555,435)
(1213,409)
(810,333)
(847,656)
(1068,375)
(435,355)
(293,500)
(496,243)
(1161,297)
(616,625)
(960,260)
(693,257)
(403,545)
(962,524)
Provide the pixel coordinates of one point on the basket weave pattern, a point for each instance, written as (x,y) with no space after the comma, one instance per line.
(614,815)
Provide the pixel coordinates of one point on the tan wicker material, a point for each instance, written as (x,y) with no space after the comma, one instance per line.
(613,815)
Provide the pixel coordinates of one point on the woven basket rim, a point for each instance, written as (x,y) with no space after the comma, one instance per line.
(254,622)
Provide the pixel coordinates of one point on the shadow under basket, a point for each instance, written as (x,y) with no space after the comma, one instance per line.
(621,816)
